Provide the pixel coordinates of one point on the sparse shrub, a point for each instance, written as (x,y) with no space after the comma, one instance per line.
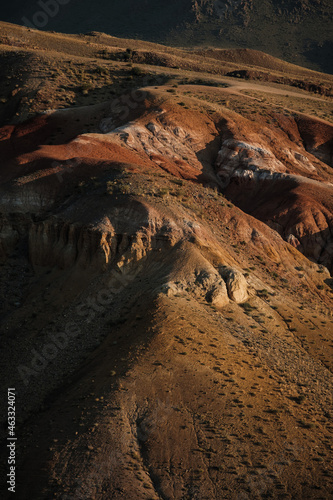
(128,55)
(299,399)
(110,187)
(136,71)
(163,192)
(261,260)
(306,425)
(100,70)
(247,307)
(86,87)
(180,193)
(272,411)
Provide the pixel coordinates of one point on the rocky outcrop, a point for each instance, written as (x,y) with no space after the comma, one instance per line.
(245,162)
(170,289)
(206,284)
(236,284)
(218,296)
(281,178)
(61,244)
(235,157)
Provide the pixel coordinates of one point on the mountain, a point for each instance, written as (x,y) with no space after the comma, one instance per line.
(166,258)
(299,31)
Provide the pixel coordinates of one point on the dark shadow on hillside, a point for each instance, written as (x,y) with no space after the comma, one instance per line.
(275,203)
(318,247)
(329,282)
(43,129)
(73,406)
(321,56)
(324,152)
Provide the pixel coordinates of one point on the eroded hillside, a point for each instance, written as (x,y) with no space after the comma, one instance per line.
(166,249)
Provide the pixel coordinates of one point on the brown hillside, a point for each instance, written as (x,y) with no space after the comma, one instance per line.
(166,294)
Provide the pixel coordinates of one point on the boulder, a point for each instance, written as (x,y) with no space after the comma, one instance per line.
(218,295)
(170,289)
(236,284)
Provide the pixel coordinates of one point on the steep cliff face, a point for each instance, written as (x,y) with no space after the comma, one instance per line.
(97,245)
(63,245)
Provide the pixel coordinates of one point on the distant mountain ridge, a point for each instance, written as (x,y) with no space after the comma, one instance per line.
(299,31)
